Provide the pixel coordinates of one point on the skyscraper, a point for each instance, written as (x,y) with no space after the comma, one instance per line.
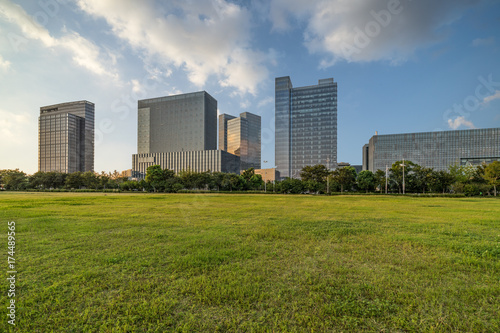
(66,137)
(185,122)
(241,137)
(223,119)
(305,125)
(180,133)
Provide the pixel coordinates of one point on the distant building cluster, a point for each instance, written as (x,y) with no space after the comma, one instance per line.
(180,133)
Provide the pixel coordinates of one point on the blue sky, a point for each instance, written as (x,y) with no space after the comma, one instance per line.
(401,66)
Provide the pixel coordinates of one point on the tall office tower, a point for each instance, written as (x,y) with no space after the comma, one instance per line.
(241,137)
(66,137)
(184,122)
(306,126)
(223,119)
(180,133)
(437,150)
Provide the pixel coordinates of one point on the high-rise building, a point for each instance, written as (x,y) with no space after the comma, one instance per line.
(436,150)
(306,126)
(241,137)
(184,122)
(223,119)
(66,137)
(180,133)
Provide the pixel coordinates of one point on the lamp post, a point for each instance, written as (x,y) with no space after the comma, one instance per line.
(403,165)
(265,182)
(327,175)
(386,171)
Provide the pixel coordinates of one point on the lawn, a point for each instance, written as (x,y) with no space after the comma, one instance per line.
(95,262)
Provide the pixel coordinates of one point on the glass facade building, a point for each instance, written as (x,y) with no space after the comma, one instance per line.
(436,150)
(66,137)
(180,133)
(241,137)
(305,125)
(186,122)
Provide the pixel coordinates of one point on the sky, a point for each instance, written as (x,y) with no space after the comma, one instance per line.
(401,66)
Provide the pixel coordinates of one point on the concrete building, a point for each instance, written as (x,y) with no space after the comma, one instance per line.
(436,150)
(180,133)
(270,174)
(196,161)
(241,136)
(306,125)
(66,137)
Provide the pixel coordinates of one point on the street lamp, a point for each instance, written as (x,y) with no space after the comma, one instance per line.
(265,182)
(403,165)
(327,175)
(386,171)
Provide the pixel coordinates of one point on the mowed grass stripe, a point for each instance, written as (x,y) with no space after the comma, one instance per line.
(208,262)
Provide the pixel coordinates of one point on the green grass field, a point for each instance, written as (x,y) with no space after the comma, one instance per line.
(95,262)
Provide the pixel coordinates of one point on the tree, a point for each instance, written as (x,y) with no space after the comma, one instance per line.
(255,182)
(345,176)
(75,180)
(317,173)
(492,175)
(366,180)
(442,180)
(155,177)
(380,180)
(90,180)
(396,174)
(422,177)
(14,179)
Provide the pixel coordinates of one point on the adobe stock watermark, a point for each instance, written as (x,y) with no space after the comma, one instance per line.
(372,29)
(472,103)
(49,9)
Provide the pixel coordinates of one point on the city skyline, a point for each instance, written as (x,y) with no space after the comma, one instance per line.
(411,67)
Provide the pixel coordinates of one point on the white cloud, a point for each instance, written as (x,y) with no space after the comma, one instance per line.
(13,126)
(265,101)
(203,38)
(4,64)
(460,121)
(84,53)
(483,41)
(488,99)
(363,31)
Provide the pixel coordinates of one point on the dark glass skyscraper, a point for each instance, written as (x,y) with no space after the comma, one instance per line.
(306,125)
(66,137)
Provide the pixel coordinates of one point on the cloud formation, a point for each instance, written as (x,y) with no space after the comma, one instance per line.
(460,121)
(483,41)
(84,53)
(203,38)
(363,31)
(4,64)
(488,99)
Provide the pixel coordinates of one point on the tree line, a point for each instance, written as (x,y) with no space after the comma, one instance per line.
(402,176)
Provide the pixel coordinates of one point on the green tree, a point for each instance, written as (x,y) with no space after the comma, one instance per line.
(75,180)
(442,180)
(255,182)
(492,175)
(366,180)
(345,176)
(380,180)
(422,178)
(396,174)
(14,180)
(155,176)
(90,180)
(317,173)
